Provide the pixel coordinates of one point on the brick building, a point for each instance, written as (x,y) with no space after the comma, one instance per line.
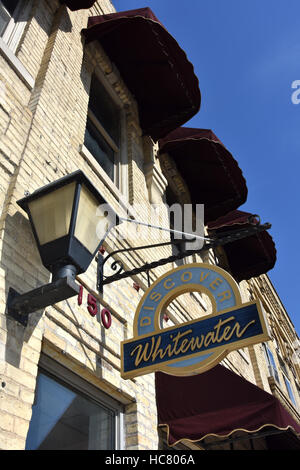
(60,374)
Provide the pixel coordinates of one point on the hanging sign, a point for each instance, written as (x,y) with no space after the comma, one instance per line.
(198,345)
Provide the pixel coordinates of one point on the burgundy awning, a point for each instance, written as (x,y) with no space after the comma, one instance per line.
(217,403)
(250,256)
(78,4)
(153,66)
(208,168)
(234,218)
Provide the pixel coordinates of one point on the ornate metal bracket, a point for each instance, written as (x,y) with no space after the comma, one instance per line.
(118,266)
(227,237)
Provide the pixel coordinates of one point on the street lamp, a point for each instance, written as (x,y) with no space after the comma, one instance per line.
(70,220)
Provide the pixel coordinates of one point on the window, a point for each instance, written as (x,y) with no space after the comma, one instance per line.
(289,389)
(286,380)
(13,17)
(70,414)
(7,9)
(271,363)
(103,129)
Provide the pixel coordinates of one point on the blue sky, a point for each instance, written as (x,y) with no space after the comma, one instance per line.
(246,56)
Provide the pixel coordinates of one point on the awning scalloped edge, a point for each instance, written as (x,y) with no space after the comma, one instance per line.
(287,428)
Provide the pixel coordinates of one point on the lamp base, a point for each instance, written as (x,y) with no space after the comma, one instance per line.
(61,271)
(20,305)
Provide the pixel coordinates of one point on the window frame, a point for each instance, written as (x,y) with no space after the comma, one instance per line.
(14,29)
(5,16)
(272,366)
(78,384)
(120,182)
(288,387)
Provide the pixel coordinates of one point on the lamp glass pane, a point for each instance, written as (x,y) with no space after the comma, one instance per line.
(91,224)
(51,214)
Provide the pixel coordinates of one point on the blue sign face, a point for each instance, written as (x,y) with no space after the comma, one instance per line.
(197,345)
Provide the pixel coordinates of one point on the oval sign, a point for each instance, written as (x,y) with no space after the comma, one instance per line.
(197,345)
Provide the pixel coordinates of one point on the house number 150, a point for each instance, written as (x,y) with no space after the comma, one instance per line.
(92,307)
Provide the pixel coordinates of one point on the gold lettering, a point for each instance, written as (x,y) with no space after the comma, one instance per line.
(183,276)
(210,337)
(240,334)
(179,344)
(183,344)
(170,350)
(145,321)
(142,352)
(157,351)
(227,331)
(202,277)
(225,295)
(218,326)
(160,352)
(196,343)
(155,296)
(177,338)
(169,286)
(214,284)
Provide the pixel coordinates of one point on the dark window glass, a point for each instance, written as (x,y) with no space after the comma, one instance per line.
(63,419)
(99,148)
(105,110)
(10,5)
